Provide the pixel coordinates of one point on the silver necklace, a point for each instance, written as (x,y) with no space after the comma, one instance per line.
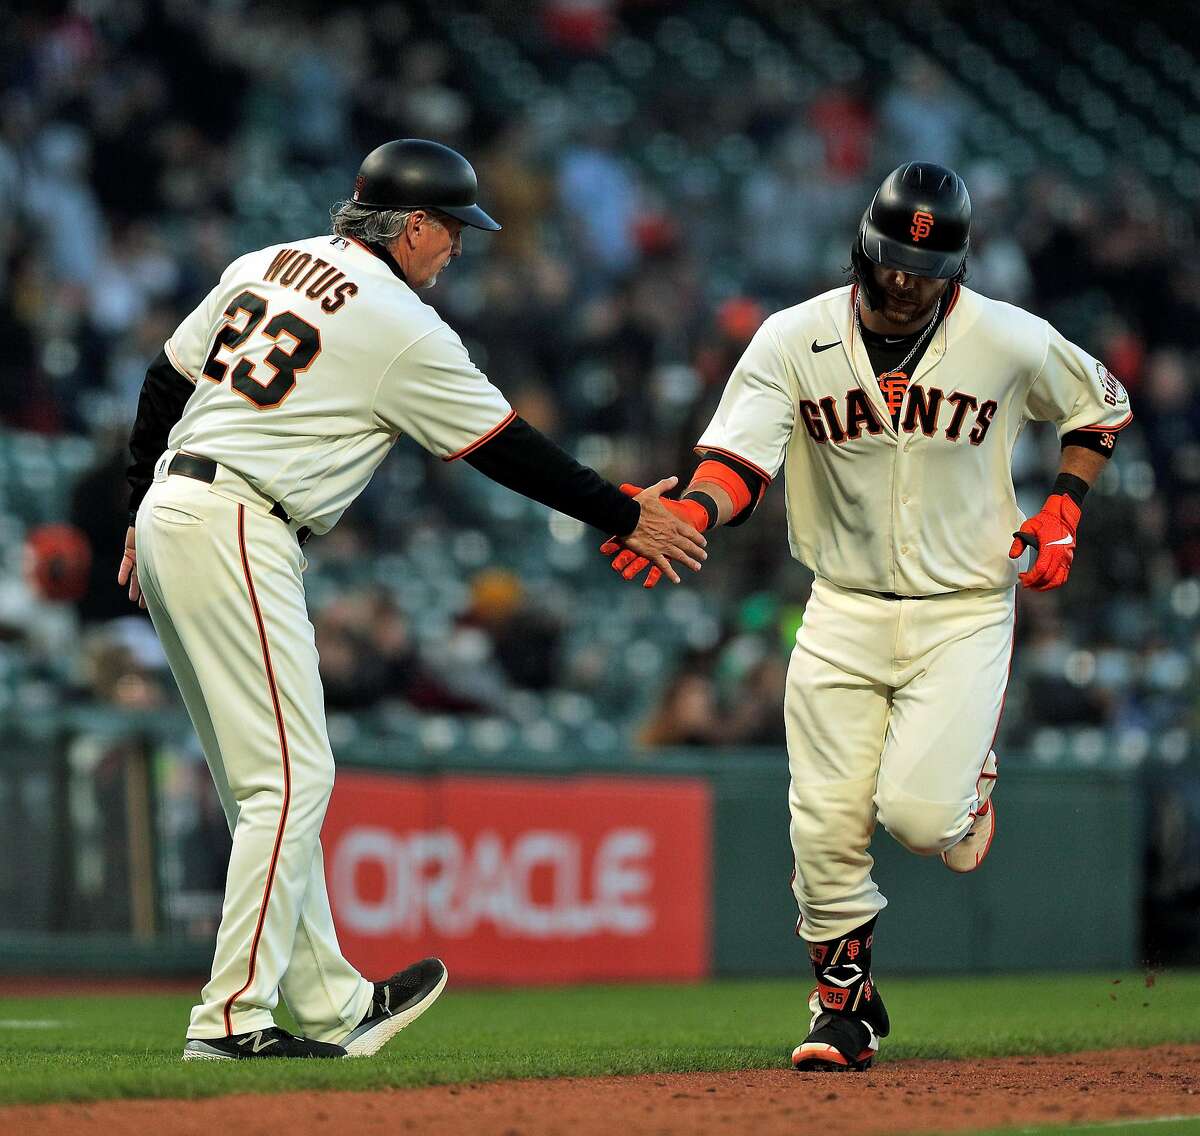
(916,346)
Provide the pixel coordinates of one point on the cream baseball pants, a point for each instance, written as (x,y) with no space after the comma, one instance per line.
(222,581)
(891,708)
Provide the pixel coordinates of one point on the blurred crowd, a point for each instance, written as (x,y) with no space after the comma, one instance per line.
(650,224)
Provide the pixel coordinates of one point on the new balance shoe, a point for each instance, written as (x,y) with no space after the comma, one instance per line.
(397,1002)
(273,1042)
(969,852)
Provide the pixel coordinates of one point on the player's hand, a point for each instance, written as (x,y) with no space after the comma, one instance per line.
(1052,535)
(127,573)
(686,521)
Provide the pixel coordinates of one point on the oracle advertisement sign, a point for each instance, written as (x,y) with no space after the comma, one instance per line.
(523,880)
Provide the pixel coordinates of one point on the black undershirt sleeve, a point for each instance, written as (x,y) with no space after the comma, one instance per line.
(1103,442)
(164,395)
(524,460)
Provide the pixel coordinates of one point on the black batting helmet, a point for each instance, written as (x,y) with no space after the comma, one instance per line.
(414,173)
(919,221)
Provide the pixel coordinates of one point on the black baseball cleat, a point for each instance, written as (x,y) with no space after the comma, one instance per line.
(840,1043)
(837,1044)
(273,1042)
(397,1002)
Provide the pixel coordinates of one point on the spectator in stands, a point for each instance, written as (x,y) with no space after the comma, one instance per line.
(784,245)
(1172,430)
(99,509)
(525,637)
(922,114)
(613,304)
(998,268)
(686,714)
(57,188)
(842,117)
(600,197)
(694,711)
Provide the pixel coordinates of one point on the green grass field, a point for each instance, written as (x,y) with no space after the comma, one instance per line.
(91,1047)
(1152,1126)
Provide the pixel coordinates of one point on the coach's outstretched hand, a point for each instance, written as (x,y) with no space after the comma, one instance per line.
(670,527)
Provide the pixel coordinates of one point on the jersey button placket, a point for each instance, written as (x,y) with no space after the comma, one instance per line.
(901,513)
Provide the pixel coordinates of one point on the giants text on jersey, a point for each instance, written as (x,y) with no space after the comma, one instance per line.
(925,506)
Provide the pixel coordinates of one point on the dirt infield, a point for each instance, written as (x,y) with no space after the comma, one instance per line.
(905,1096)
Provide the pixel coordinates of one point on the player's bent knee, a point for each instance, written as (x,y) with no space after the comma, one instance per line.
(923,827)
(314,789)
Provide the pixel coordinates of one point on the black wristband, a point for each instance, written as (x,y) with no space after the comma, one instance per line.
(1074,487)
(706,503)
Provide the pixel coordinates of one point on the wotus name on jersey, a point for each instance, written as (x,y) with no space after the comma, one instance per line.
(300,271)
(841,420)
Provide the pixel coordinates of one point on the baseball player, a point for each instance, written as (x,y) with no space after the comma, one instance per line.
(262,419)
(893,406)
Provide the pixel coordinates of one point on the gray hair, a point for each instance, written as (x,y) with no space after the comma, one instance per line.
(371,226)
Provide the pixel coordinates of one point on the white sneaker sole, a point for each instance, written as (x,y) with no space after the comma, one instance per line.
(200,1055)
(372,1040)
(970,852)
(816,1057)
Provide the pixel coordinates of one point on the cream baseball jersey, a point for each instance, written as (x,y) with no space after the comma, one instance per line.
(310,359)
(926,506)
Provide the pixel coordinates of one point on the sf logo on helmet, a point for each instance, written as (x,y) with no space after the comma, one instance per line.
(922,224)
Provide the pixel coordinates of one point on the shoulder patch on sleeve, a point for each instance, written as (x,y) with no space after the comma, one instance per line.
(1112,390)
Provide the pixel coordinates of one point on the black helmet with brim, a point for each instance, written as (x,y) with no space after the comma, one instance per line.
(919,221)
(415,173)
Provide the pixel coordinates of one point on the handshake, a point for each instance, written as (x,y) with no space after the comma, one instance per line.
(666,530)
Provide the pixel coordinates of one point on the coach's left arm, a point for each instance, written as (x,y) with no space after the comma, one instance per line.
(165,393)
(1091,408)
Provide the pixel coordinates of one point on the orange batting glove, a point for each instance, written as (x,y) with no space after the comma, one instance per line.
(1051,533)
(628,563)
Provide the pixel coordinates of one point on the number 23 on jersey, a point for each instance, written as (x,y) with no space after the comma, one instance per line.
(263,391)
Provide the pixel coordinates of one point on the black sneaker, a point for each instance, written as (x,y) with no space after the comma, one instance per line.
(397,1002)
(838,1043)
(273,1042)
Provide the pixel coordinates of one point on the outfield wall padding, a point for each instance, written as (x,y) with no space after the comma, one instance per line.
(1062,887)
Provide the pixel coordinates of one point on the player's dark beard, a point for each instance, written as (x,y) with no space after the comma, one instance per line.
(909,316)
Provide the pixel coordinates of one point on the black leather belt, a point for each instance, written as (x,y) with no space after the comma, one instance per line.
(886,595)
(205,469)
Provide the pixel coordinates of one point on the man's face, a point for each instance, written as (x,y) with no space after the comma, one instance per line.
(908,300)
(435,240)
